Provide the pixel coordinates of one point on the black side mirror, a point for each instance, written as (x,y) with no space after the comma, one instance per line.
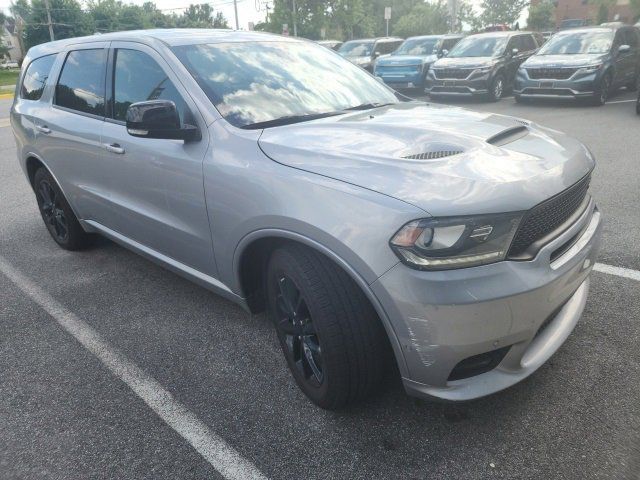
(443,53)
(158,119)
(376,54)
(514,52)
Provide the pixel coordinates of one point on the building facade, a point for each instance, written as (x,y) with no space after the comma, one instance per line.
(586,10)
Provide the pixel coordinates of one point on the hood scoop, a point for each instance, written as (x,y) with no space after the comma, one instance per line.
(507,136)
(435,151)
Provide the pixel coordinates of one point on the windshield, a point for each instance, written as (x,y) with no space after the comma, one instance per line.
(578,42)
(356,49)
(479,47)
(418,46)
(255,82)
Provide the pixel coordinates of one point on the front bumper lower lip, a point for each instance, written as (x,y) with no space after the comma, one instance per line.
(536,354)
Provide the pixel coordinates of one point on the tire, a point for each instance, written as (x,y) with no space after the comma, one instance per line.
(61,222)
(331,337)
(602,93)
(497,88)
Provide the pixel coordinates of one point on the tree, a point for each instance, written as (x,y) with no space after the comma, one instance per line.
(66,15)
(4,51)
(496,12)
(603,9)
(423,19)
(201,16)
(541,16)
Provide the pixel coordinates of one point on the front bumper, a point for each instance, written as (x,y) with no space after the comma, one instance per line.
(401,77)
(443,318)
(577,86)
(470,86)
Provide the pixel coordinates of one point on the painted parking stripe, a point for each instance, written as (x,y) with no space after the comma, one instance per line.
(4,122)
(618,271)
(227,461)
(623,101)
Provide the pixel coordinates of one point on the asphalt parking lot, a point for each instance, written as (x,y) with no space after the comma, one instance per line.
(67,412)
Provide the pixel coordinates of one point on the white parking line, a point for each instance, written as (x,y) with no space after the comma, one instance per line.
(623,101)
(214,449)
(618,271)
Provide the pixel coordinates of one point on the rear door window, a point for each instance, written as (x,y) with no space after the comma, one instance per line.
(81,85)
(35,78)
(528,43)
(138,78)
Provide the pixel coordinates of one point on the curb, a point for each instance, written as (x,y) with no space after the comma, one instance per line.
(6,95)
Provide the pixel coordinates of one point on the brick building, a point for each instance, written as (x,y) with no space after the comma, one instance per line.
(585,10)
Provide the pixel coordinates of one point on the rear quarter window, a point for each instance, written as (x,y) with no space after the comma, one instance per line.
(35,78)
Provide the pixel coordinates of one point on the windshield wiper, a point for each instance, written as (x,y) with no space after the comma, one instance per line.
(367,106)
(289,119)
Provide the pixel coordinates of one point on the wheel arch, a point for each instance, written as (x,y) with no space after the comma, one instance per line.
(249,265)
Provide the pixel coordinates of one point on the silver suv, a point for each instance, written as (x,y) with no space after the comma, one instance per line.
(281,176)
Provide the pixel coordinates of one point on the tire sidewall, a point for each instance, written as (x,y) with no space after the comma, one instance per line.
(494,83)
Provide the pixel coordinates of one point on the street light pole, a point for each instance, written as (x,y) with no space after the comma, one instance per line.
(295,24)
(46,4)
(235,8)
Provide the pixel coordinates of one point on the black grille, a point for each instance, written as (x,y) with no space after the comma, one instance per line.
(548,216)
(551,73)
(456,73)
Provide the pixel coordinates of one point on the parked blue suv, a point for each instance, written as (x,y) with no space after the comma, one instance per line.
(407,67)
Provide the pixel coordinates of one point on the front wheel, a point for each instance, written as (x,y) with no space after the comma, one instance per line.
(332,339)
(496,90)
(602,94)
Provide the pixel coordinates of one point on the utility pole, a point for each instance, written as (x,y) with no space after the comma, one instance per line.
(295,24)
(235,8)
(46,4)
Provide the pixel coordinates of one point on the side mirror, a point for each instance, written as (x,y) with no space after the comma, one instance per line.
(443,53)
(158,119)
(514,52)
(624,49)
(376,54)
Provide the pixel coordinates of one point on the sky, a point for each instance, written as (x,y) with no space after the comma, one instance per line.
(248,10)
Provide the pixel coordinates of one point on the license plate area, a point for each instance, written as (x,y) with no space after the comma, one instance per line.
(546,84)
(449,83)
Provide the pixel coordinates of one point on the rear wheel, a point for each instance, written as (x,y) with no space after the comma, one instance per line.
(330,335)
(58,217)
(496,90)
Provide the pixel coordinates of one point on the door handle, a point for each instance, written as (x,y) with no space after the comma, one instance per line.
(114,148)
(43,129)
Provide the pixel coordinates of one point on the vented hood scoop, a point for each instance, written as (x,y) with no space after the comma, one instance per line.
(434,151)
(509,135)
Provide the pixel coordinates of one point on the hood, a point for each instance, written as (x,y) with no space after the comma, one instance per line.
(552,61)
(446,161)
(395,59)
(465,62)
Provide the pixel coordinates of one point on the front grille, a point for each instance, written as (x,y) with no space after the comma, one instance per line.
(551,73)
(548,216)
(452,73)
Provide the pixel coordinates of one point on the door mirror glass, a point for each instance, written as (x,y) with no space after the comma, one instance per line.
(624,49)
(158,119)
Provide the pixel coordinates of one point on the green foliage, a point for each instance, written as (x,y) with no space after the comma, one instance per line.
(423,19)
(100,16)
(496,12)
(541,16)
(9,77)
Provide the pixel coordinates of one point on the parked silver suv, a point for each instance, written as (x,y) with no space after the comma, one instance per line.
(281,176)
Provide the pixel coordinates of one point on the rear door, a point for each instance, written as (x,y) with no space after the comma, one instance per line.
(157,191)
(69,128)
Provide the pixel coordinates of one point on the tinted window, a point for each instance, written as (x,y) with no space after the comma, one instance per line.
(356,48)
(81,83)
(449,43)
(631,38)
(36,76)
(528,43)
(138,78)
(418,46)
(256,82)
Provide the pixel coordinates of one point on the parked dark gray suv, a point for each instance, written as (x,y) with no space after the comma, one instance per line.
(583,63)
(482,64)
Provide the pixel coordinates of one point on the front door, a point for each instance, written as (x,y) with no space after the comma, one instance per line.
(157,189)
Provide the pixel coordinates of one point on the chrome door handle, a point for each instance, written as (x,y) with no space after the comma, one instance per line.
(114,148)
(43,129)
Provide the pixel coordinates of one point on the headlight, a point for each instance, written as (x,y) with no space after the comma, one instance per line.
(591,68)
(483,69)
(455,242)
